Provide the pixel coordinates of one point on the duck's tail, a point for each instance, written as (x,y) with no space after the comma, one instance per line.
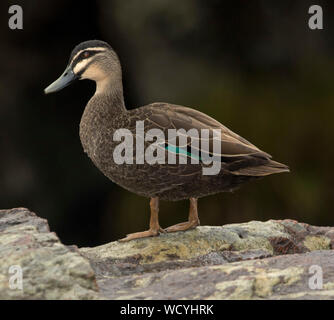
(262,170)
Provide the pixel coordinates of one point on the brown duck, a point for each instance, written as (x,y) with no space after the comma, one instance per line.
(105,112)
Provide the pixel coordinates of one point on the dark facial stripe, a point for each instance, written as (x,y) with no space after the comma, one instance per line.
(79,74)
(82,56)
(86,45)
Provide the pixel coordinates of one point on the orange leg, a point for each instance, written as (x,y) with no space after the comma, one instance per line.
(193,220)
(154,229)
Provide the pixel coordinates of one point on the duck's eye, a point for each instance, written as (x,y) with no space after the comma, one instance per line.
(86,54)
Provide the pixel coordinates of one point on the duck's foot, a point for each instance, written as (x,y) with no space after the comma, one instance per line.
(193,220)
(143,234)
(183,226)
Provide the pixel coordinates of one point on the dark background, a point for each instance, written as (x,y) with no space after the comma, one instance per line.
(253,65)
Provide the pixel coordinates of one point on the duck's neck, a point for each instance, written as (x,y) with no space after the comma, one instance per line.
(109,95)
(104,113)
(104,109)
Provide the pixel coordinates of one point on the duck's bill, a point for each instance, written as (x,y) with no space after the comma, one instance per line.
(63,81)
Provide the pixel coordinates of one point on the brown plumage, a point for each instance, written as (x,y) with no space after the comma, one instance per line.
(240,160)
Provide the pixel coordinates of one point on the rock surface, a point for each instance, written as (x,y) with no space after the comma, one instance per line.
(254,260)
(50,270)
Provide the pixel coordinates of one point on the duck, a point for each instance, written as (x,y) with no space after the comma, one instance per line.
(105,114)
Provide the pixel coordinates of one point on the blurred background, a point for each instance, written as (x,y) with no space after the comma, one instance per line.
(253,65)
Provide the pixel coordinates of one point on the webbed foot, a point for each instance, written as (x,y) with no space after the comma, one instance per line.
(143,234)
(183,226)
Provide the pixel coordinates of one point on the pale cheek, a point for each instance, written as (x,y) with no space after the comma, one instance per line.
(93,73)
(79,66)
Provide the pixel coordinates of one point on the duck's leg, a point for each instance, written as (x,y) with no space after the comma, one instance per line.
(154,224)
(193,220)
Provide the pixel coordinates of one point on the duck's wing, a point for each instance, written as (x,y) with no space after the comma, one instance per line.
(237,154)
(166,116)
(204,121)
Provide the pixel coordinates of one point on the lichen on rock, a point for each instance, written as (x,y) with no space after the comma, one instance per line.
(254,260)
(50,270)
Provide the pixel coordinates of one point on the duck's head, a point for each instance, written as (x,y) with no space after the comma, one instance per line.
(94,60)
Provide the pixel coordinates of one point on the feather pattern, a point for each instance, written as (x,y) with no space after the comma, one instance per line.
(241,161)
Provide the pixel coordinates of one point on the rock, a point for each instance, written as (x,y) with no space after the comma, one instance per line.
(254,260)
(50,270)
(283,277)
